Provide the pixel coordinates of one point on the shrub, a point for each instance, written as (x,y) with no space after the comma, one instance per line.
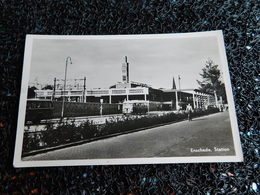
(30,142)
(68,131)
(140,109)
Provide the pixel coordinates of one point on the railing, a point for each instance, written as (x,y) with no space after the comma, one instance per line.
(118,91)
(136,91)
(94,92)
(98,92)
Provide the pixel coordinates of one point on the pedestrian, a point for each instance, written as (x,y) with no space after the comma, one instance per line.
(189,111)
(221,108)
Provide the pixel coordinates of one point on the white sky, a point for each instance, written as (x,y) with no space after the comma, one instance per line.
(153,60)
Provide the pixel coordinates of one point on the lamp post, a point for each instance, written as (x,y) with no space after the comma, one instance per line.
(179,78)
(180,101)
(64,88)
(216,98)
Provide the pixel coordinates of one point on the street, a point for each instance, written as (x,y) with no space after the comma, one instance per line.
(205,136)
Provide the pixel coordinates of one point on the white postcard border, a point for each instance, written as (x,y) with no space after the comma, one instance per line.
(125,161)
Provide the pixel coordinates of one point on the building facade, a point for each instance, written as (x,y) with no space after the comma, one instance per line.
(159,99)
(166,99)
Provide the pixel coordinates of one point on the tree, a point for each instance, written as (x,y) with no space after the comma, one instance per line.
(211,80)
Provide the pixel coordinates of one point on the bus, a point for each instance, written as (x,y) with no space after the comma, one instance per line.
(135,107)
(37,109)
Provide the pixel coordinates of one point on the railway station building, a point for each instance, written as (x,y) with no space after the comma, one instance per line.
(126,90)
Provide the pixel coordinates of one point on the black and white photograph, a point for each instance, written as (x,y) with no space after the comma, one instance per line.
(126,99)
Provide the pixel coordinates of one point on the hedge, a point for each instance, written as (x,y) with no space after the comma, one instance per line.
(69,132)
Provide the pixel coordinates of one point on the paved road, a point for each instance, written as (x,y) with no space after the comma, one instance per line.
(186,138)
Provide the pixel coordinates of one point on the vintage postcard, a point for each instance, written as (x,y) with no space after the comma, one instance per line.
(126,99)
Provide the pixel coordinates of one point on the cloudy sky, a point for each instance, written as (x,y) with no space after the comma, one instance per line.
(153,60)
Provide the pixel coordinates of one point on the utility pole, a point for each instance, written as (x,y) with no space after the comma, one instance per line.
(179,78)
(54,88)
(127,69)
(84,91)
(174,87)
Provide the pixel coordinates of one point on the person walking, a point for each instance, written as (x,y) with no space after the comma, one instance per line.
(189,111)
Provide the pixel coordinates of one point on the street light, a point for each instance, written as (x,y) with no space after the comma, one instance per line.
(179,78)
(64,88)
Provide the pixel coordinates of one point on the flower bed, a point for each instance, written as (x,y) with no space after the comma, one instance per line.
(69,132)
